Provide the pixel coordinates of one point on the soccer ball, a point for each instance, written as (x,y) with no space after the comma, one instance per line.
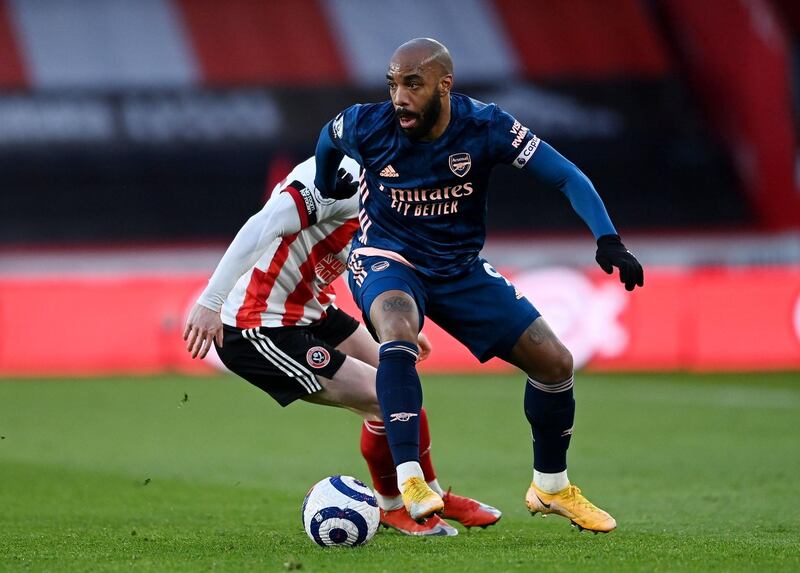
(340,511)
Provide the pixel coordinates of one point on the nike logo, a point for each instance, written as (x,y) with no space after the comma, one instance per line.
(547,505)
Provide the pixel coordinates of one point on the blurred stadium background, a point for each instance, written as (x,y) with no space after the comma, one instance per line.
(137,136)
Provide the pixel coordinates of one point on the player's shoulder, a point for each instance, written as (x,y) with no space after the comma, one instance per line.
(473,110)
(373,116)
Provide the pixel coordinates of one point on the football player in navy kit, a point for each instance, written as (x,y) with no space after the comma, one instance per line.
(426,154)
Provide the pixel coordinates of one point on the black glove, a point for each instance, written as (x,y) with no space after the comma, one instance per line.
(612,253)
(345,186)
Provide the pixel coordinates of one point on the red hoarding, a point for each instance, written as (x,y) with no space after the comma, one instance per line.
(695,319)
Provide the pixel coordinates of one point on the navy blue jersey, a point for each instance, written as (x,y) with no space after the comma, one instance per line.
(426,200)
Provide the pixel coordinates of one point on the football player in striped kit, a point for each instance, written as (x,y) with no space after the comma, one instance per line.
(269,310)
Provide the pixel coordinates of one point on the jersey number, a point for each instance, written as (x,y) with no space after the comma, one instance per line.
(490,270)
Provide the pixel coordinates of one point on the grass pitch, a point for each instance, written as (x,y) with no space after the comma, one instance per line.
(176,474)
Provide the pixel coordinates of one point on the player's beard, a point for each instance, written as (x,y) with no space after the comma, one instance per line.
(426,119)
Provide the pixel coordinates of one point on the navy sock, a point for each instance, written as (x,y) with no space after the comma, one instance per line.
(400,397)
(550,409)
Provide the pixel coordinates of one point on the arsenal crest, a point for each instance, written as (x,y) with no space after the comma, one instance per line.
(460,163)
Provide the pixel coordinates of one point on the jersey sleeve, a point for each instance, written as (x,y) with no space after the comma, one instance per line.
(306,201)
(343,131)
(511,142)
(277,218)
(313,208)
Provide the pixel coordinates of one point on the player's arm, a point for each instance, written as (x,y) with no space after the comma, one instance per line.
(279,217)
(551,168)
(327,157)
(337,139)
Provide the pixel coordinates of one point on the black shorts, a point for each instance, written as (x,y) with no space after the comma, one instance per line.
(285,361)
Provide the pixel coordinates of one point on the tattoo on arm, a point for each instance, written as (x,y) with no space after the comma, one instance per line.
(397,304)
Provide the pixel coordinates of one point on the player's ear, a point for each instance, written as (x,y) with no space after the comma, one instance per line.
(445,83)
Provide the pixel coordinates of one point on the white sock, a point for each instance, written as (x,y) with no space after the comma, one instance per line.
(551,483)
(434,485)
(408,470)
(388,503)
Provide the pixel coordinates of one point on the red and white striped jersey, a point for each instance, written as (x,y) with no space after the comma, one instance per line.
(279,269)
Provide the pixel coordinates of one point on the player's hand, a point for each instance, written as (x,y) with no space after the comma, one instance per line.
(203,327)
(345,187)
(612,253)
(424,347)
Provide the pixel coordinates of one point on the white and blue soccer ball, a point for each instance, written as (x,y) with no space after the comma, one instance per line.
(340,511)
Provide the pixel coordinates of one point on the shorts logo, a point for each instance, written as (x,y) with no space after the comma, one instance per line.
(380,266)
(460,163)
(401,416)
(318,357)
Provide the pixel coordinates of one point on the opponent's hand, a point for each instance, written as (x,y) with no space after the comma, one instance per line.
(612,253)
(424,347)
(203,327)
(345,187)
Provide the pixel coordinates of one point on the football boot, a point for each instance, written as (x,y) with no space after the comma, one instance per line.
(469,512)
(400,520)
(419,499)
(570,503)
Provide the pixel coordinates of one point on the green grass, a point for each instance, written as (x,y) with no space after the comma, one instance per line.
(701,473)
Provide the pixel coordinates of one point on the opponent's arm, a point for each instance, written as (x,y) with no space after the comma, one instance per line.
(279,217)
(553,169)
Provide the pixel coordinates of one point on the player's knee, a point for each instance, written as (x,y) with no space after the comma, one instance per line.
(558,368)
(561,366)
(394,316)
(397,331)
(396,326)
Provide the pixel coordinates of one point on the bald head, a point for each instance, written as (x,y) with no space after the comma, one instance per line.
(419,78)
(423,53)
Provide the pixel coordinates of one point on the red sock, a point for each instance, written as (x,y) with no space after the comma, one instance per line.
(376,452)
(425,447)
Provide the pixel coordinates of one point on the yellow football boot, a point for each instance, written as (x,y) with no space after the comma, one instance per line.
(570,503)
(420,500)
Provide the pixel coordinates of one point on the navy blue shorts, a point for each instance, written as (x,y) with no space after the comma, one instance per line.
(480,308)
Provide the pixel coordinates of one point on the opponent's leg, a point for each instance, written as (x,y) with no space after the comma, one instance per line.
(550,409)
(352,387)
